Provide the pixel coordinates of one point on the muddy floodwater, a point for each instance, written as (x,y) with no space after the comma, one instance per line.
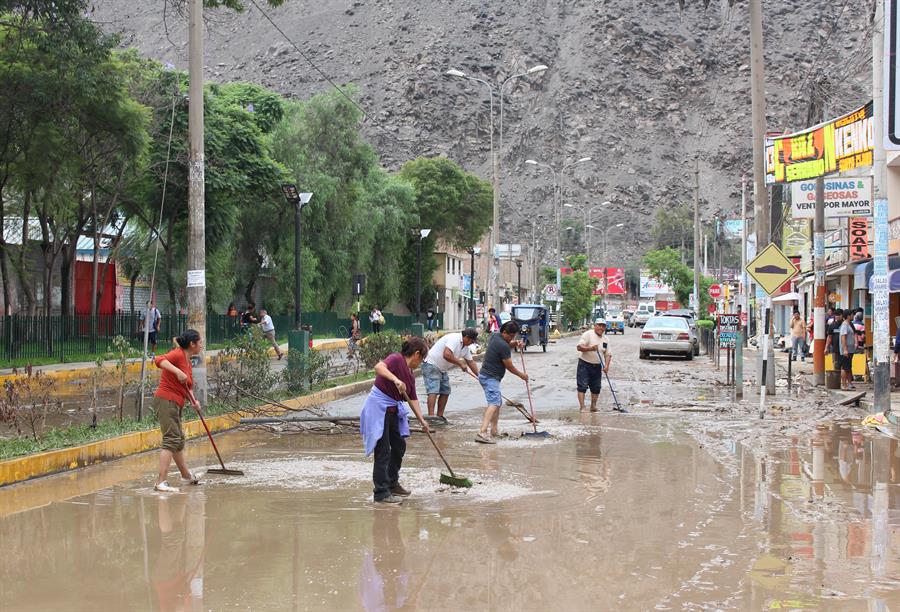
(686,503)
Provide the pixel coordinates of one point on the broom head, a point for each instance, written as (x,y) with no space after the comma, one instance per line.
(536,434)
(224,471)
(455,481)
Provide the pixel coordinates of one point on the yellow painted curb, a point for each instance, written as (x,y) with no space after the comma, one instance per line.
(53,462)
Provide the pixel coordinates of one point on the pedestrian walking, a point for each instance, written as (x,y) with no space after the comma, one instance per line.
(151,319)
(497,361)
(847,340)
(376,319)
(384,422)
(454,349)
(493,323)
(173,391)
(354,335)
(249,317)
(268,329)
(798,337)
(430,318)
(594,359)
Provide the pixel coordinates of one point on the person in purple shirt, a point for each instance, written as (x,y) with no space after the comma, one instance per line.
(384,423)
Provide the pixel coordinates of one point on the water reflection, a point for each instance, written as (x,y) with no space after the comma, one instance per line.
(384,577)
(828,505)
(177,572)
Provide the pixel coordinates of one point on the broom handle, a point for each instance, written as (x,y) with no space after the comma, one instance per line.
(433,443)
(206,427)
(507,400)
(528,388)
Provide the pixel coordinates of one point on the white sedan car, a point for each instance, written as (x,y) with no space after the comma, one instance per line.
(667,335)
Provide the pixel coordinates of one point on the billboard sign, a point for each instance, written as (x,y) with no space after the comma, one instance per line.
(795,239)
(839,145)
(599,276)
(844,197)
(650,287)
(615,281)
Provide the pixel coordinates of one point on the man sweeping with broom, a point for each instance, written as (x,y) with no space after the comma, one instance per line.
(497,360)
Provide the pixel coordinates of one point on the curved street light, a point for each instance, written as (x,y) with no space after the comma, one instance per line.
(494,285)
(557,176)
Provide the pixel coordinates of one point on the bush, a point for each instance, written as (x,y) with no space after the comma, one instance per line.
(244,366)
(305,370)
(705,324)
(378,346)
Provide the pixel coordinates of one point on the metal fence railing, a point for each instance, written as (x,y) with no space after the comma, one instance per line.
(82,337)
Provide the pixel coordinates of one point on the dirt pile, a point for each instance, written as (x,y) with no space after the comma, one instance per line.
(636,84)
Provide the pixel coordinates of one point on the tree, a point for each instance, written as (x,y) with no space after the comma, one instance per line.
(455,205)
(577,291)
(665,265)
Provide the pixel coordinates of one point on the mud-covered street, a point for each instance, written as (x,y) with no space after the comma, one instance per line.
(687,502)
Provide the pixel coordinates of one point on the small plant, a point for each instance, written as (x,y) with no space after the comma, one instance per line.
(483,339)
(378,346)
(306,370)
(26,402)
(121,353)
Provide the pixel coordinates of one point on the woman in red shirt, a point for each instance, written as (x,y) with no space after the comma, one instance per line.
(171,394)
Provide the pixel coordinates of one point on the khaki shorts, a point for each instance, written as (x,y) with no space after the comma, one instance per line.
(169,415)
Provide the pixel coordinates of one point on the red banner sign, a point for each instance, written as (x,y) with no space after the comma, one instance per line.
(615,281)
(859,238)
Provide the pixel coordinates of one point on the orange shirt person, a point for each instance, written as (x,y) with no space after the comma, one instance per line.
(171,394)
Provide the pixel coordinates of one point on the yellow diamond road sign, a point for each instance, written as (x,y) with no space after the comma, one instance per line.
(771,269)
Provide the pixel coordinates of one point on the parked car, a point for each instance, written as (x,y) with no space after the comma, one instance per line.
(643,314)
(690,317)
(667,335)
(615,321)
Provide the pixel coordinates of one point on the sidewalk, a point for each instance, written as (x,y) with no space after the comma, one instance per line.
(802,372)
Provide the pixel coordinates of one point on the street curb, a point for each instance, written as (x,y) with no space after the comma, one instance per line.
(29,467)
(81,374)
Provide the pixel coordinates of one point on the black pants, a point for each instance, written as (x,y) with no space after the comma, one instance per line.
(376,328)
(389,453)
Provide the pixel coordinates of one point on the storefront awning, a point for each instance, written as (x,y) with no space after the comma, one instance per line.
(787,297)
(863,274)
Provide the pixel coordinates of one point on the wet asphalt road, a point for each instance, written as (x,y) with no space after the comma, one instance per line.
(689,502)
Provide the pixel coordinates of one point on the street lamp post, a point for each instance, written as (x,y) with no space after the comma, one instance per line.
(472,252)
(519,281)
(493,280)
(298,200)
(423,234)
(557,175)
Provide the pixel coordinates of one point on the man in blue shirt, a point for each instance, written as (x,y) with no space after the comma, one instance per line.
(497,360)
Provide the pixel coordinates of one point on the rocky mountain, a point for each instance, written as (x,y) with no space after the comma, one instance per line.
(638,85)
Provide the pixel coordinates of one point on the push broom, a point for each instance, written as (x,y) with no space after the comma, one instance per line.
(517,405)
(612,390)
(535,433)
(223,470)
(452,479)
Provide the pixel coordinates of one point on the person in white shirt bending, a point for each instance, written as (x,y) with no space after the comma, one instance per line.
(268,330)
(451,350)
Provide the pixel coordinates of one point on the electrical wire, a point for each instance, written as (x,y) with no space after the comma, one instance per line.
(162,204)
(309,60)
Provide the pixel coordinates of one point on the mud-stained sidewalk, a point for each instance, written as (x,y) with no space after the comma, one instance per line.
(664,508)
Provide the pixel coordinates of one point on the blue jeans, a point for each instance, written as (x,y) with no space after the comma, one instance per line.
(436,382)
(799,346)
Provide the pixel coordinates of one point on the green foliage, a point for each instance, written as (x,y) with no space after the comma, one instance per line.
(243,367)
(707,323)
(306,370)
(665,265)
(122,352)
(577,291)
(378,346)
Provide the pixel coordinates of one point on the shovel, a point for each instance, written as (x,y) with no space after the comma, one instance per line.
(452,480)
(224,470)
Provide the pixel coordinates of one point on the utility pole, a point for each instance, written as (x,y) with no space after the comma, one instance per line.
(760,195)
(697,236)
(881,374)
(196,248)
(745,280)
(819,295)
